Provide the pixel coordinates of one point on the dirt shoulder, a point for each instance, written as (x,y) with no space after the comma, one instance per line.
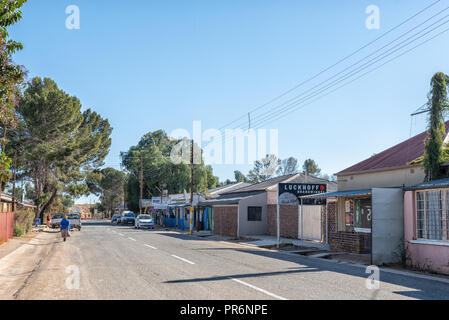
(15,243)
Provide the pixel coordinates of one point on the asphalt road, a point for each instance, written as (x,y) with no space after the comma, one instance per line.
(105,261)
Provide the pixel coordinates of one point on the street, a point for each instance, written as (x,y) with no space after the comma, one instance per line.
(117,262)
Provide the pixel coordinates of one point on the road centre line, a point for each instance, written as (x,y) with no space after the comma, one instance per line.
(147,245)
(258,289)
(182,259)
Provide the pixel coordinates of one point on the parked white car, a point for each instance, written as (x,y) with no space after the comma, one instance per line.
(144,221)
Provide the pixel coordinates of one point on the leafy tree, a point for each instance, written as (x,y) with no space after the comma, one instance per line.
(67,202)
(288,166)
(240,177)
(310,167)
(264,169)
(433,152)
(11,76)
(112,191)
(58,145)
(160,172)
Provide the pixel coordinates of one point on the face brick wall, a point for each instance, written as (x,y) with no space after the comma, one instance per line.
(352,242)
(225,221)
(288,221)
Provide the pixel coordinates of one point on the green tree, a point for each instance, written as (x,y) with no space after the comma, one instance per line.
(11,76)
(264,169)
(112,188)
(160,172)
(240,177)
(59,146)
(288,166)
(310,167)
(433,152)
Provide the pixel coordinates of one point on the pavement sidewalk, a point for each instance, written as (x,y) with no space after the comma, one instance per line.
(265,241)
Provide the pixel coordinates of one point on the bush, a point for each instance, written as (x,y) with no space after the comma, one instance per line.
(18,231)
(24,221)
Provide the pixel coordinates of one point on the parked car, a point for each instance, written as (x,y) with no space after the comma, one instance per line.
(115,219)
(75,221)
(144,221)
(128,217)
(56,220)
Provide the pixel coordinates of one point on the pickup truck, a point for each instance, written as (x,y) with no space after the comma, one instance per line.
(74,218)
(75,221)
(56,220)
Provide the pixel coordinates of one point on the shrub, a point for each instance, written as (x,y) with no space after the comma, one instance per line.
(18,231)
(24,220)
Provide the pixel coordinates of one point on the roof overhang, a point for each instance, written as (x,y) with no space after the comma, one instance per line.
(341,194)
(436,184)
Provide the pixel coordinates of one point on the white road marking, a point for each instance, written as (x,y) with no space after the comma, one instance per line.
(185,260)
(147,245)
(258,289)
(121,234)
(132,239)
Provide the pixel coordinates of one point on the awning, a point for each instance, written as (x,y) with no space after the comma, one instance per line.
(436,184)
(341,194)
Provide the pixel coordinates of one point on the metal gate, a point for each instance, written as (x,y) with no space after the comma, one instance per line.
(310,223)
(387,225)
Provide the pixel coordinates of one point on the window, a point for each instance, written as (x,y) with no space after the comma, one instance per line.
(254,213)
(432,216)
(358,214)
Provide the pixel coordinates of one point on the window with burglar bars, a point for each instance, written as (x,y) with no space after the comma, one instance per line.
(432,215)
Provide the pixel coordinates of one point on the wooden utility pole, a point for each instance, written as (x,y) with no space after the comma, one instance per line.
(141,182)
(14,183)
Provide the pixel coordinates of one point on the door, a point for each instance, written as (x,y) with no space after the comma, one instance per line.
(311,223)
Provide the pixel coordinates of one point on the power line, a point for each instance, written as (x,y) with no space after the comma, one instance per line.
(348,75)
(335,64)
(363,67)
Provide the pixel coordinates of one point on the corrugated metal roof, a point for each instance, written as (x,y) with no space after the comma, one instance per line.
(293,178)
(398,156)
(229,199)
(339,194)
(442,183)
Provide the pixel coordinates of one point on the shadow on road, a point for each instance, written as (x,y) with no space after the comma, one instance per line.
(247,275)
(424,289)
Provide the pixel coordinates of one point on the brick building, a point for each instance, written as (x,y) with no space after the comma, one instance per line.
(252,210)
(366,214)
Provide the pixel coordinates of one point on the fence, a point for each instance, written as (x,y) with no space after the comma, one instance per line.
(6,226)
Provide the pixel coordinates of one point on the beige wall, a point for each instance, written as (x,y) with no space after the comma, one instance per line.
(253,227)
(382,179)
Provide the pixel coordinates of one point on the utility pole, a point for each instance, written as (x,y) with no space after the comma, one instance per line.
(191,190)
(14,183)
(141,182)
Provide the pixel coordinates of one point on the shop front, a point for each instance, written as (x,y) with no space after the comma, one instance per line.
(366,221)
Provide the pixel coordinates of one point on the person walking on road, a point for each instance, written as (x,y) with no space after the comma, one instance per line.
(65,227)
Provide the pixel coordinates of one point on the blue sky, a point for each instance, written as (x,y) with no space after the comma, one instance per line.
(149,65)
